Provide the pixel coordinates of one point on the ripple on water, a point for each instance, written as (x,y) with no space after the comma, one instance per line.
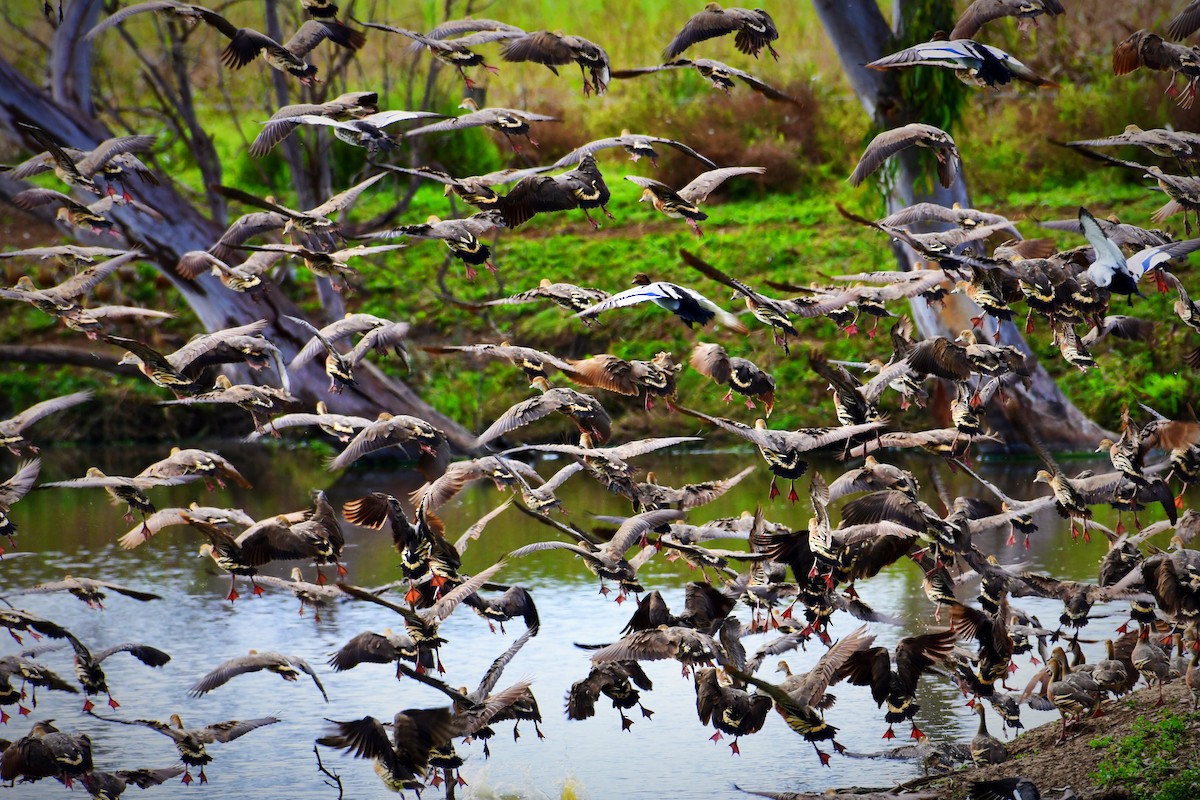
(669,755)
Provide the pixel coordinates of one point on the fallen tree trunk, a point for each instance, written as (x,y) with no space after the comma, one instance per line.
(65,355)
(182,228)
(860,34)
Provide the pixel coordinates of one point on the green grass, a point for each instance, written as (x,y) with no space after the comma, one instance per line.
(1150,763)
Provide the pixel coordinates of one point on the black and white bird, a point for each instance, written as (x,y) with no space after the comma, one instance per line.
(687,304)
(1113,271)
(975,63)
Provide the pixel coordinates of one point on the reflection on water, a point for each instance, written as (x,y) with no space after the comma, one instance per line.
(75,531)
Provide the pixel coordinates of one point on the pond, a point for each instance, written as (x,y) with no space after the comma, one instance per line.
(669,755)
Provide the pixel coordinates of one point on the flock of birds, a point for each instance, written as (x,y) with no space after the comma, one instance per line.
(792,581)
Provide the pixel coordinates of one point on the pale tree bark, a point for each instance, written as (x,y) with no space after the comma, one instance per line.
(861,34)
(182,228)
(71,55)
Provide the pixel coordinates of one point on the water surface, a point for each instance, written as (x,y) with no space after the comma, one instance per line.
(669,756)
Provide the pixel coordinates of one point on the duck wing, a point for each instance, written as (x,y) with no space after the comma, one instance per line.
(704,184)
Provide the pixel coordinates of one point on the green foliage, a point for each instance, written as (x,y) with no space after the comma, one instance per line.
(1147,763)
(933,96)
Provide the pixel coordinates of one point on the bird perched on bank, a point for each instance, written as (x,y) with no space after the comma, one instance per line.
(1017,788)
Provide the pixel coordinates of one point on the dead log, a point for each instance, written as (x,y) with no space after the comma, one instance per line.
(182,228)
